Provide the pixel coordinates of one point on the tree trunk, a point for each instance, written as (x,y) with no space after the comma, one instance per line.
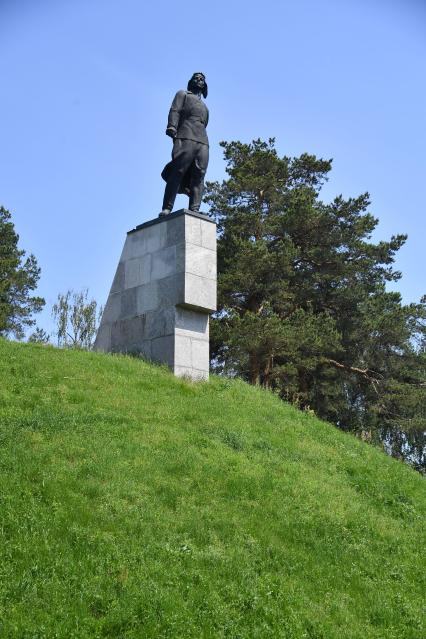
(254,369)
(267,371)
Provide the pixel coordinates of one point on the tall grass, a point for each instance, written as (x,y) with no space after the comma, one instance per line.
(134,504)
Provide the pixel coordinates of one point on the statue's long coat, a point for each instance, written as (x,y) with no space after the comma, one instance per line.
(188,116)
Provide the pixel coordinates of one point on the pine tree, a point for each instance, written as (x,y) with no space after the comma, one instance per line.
(303,305)
(18,277)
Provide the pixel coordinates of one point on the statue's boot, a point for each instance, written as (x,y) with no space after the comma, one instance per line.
(196,196)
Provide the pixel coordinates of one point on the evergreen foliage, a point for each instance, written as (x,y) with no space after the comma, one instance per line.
(18,277)
(303,305)
(39,336)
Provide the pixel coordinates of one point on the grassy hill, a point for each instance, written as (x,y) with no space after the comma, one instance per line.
(135,505)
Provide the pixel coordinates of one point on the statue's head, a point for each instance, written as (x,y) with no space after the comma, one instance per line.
(198,84)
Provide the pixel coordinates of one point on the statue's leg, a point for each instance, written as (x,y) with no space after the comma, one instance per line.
(197,181)
(182,156)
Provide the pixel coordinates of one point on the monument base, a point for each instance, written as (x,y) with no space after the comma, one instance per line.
(163,291)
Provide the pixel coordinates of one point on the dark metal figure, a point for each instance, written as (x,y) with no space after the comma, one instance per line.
(188,118)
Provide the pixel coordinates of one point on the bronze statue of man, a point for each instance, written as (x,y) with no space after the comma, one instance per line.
(188,118)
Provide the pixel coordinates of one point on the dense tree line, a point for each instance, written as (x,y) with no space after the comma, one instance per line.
(303,304)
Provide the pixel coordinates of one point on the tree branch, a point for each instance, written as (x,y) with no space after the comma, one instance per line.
(367,373)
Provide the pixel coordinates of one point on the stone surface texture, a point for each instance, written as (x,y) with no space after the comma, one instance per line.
(162,293)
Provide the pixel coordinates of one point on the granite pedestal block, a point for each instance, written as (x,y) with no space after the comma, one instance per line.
(163,291)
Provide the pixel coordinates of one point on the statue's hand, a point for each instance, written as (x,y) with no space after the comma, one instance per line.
(171,132)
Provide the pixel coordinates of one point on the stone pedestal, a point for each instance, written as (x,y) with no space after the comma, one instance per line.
(163,291)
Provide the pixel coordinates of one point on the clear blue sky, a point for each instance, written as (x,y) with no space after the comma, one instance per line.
(86,88)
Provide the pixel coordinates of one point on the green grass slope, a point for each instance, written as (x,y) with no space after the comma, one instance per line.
(134,505)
